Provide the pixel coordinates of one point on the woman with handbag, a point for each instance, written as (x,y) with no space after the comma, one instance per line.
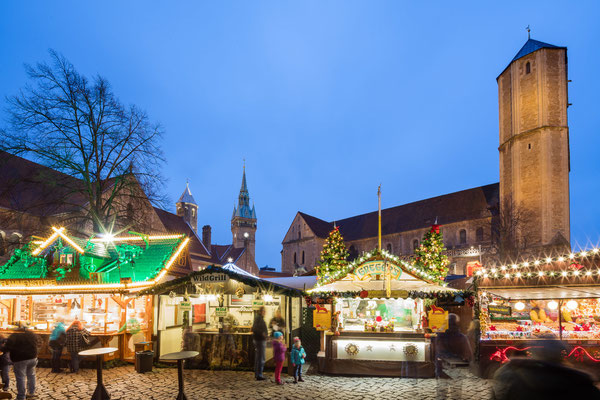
(57,341)
(77,340)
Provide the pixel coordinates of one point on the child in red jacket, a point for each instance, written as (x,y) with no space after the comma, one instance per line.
(278,355)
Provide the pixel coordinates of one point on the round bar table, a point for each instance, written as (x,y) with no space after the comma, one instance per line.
(180,356)
(100,393)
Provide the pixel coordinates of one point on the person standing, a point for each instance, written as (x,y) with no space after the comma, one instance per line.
(77,340)
(278,355)
(259,337)
(297,357)
(277,323)
(23,348)
(5,363)
(57,341)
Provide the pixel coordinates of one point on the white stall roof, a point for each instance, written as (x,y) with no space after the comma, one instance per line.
(296,282)
(546,293)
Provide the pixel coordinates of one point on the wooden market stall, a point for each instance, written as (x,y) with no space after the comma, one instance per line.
(374,318)
(211,311)
(524,305)
(95,280)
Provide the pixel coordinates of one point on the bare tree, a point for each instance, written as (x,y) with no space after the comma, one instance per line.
(509,232)
(76,126)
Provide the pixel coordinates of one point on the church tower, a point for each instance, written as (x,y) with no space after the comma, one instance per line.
(187,208)
(534,144)
(243,221)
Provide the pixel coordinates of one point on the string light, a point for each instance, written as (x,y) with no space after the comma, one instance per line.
(68,239)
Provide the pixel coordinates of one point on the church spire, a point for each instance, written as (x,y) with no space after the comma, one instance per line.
(243,208)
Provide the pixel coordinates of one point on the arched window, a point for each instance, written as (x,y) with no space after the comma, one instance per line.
(302,257)
(462,236)
(352,253)
(294,257)
(389,247)
(479,234)
(415,244)
(527,67)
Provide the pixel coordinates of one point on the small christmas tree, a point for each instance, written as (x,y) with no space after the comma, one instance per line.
(333,256)
(429,255)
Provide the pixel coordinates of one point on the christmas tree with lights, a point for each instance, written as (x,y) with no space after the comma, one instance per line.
(430,257)
(333,256)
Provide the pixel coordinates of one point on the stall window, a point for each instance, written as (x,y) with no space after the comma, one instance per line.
(66,259)
(462,236)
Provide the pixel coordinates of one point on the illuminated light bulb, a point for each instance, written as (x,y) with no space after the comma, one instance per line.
(575,273)
(529,274)
(520,306)
(503,268)
(541,273)
(483,270)
(507,276)
(588,273)
(561,259)
(553,305)
(572,304)
(514,266)
(268,297)
(495,275)
(518,274)
(551,273)
(493,270)
(564,273)
(595,250)
(548,260)
(536,262)
(485,275)
(583,253)
(571,256)
(526,264)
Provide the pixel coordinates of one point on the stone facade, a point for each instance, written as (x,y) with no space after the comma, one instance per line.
(534,144)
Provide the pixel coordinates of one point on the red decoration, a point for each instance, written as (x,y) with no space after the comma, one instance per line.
(500,355)
(579,352)
(576,266)
(363,294)
(577,328)
(435,229)
(493,327)
(378,319)
(519,329)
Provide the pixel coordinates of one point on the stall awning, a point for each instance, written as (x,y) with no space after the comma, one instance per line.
(358,286)
(546,293)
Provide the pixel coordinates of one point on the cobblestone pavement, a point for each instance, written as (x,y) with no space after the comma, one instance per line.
(124,383)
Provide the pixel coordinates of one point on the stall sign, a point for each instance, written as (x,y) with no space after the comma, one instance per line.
(185,306)
(371,269)
(438,319)
(502,310)
(221,311)
(210,278)
(258,303)
(322,318)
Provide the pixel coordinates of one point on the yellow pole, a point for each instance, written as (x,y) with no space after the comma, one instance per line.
(379,208)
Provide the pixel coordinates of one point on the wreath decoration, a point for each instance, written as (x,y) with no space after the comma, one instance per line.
(352,349)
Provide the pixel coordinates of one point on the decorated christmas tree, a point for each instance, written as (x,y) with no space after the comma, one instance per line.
(333,256)
(429,255)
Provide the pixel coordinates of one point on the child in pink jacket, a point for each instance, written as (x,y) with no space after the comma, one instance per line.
(278,355)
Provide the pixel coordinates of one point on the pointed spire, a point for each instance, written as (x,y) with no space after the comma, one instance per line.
(187,197)
(243,208)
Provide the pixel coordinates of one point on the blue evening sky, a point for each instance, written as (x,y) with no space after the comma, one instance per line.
(324,99)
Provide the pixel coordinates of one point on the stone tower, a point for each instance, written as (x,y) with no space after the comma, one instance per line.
(243,221)
(187,208)
(534,144)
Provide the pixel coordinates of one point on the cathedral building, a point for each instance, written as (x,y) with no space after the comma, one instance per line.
(526,212)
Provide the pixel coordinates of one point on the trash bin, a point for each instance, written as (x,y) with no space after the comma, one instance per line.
(143,361)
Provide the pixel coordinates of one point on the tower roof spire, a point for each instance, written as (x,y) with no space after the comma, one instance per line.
(187,197)
(243,208)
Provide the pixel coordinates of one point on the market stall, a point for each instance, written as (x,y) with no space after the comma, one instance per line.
(380,318)
(212,311)
(521,306)
(94,280)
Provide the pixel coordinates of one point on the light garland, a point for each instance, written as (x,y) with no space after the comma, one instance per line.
(540,274)
(68,239)
(135,238)
(549,260)
(47,242)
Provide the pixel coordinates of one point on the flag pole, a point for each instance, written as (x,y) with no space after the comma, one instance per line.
(379,210)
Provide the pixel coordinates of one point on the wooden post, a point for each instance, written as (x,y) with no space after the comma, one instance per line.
(30,305)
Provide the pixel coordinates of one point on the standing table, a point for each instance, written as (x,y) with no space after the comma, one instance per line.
(100,393)
(180,356)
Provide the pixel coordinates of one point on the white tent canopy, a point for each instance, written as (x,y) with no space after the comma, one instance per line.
(404,284)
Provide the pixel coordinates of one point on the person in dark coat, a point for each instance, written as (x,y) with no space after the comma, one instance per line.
(56,342)
(77,340)
(23,348)
(544,376)
(5,363)
(259,337)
